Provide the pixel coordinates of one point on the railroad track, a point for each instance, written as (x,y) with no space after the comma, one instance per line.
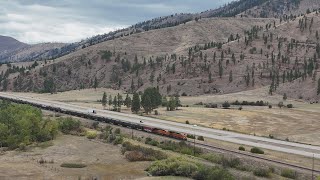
(131,126)
(215,148)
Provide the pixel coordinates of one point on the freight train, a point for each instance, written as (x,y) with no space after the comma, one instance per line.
(95,117)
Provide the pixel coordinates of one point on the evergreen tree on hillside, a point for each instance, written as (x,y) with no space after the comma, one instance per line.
(135,103)
(128,101)
(95,84)
(220,69)
(110,100)
(230,77)
(318,91)
(146,103)
(104,100)
(115,103)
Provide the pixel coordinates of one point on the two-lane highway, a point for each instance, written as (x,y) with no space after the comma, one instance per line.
(237,138)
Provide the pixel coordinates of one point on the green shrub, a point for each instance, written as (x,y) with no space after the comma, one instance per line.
(226,105)
(271,136)
(185,168)
(173,167)
(72,165)
(21,125)
(241,148)
(214,158)
(187,122)
(69,125)
(211,173)
(118,140)
(256,150)
(95,125)
(261,172)
(191,136)
(230,162)
(290,106)
(117,131)
(91,134)
(181,147)
(200,138)
(151,142)
(288,173)
(139,153)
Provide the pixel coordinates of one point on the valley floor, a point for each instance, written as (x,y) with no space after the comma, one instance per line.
(300,124)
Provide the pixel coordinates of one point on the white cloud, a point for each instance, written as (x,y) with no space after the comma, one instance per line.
(35,21)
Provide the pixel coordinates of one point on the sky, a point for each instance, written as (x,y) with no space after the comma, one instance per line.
(36,21)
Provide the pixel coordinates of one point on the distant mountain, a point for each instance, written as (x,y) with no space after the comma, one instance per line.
(9,44)
(12,50)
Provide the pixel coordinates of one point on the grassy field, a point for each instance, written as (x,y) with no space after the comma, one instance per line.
(300,124)
(103,161)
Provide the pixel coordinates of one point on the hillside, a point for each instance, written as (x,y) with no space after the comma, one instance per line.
(281,8)
(114,62)
(228,10)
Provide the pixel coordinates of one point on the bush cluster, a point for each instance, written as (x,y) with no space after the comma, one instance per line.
(288,173)
(139,153)
(21,125)
(151,142)
(256,150)
(262,172)
(211,105)
(183,167)
(70,126)
(91,134)
(247,103)
(241,148)
(72,165)
(180,147)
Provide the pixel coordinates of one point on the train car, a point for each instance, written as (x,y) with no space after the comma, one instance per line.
(161,132)
(148,129)
(180,136)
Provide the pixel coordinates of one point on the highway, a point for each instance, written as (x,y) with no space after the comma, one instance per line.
(232,137)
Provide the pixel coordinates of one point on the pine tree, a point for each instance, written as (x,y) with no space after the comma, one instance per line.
(115,103)
(210,77)
(128,101)
(146,103)
(171,104)
(104,100)
(135,103)
(285,96)
(110,100)
(230,77)
(120,100)
(95,85)
(220,69)
(318,91)
(177,101)
(248,80)
(132,85)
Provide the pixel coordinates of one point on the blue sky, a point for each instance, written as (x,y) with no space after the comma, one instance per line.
(34,21)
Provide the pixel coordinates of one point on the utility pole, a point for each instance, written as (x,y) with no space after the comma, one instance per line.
(194,141)
(312,167)
(132,133)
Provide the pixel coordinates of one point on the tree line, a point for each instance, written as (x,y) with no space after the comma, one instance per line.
(149,100)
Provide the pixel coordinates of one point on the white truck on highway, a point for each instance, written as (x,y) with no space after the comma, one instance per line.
(92,111)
